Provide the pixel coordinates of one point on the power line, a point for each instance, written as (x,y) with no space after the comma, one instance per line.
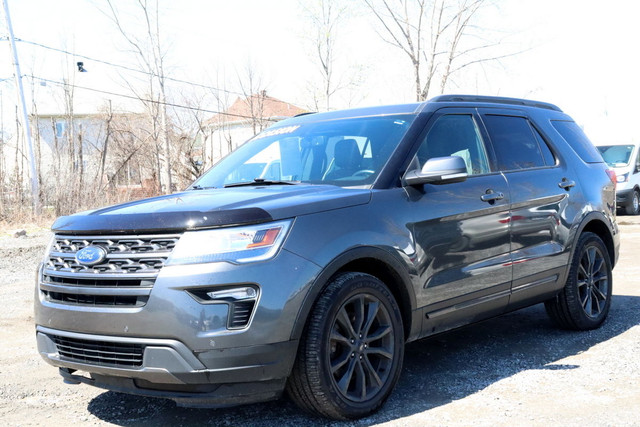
(169,104)
(133,70)
(124,67)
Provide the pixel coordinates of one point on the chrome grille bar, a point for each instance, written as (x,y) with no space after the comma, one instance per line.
(124,277)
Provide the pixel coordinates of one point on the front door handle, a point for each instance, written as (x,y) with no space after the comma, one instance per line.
(491,196)
(566,184)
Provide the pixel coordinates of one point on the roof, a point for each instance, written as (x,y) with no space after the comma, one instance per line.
(495,100)
(264,107)
(382,110)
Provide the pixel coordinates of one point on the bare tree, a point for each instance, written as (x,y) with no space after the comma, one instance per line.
(18,186)
(150,51)
(37,139)
(219,142)
(223,136)
(130,164)
(254,90)
(326,19)
(191,130)
(436,34)
(108,116)
(325,16)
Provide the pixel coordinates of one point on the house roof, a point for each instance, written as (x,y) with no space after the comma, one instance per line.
(260,106)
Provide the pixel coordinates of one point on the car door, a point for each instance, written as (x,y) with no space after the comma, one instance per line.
(461,229)
(541,185)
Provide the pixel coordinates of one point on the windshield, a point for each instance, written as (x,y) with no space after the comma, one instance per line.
(344,152)
(616,155)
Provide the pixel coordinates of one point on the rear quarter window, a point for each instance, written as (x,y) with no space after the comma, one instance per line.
(578,140)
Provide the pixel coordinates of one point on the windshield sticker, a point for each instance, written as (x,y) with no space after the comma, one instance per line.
(280,131)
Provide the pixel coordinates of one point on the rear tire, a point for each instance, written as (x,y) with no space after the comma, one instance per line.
(351,351)
(633,208)
(585,300)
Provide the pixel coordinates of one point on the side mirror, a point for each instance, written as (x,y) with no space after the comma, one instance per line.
(439,170)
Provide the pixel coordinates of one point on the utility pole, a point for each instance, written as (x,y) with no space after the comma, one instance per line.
(35,190)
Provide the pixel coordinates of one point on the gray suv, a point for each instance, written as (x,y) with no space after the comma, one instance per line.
(356,232)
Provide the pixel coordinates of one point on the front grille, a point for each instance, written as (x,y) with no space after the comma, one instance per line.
(119,265)
(127,244)
(95,300)
(123,279)
(125,255)
(104,353)
(98,282)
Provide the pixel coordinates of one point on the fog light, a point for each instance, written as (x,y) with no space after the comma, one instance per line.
(234,294)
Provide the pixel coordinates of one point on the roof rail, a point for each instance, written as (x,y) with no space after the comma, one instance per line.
(305,113)
(495,100)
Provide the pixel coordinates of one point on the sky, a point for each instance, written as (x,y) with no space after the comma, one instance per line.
(579,55)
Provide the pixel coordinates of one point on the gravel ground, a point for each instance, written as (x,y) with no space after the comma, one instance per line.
(513,370)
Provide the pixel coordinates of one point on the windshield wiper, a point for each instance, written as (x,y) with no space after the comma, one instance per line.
(261,181)
(200,187)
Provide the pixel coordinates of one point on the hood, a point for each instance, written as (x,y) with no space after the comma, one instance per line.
(198,209)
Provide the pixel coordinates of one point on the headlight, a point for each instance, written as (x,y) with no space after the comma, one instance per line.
(622,178)
(52,241)
(234,244)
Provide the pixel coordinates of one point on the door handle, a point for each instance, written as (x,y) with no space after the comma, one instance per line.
(491,196)
(566,184)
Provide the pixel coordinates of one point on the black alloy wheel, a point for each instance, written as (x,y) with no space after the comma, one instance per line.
(351,351)
(585,300)
(593,281)
(361,347)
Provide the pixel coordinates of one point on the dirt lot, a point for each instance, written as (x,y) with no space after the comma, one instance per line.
(514,370)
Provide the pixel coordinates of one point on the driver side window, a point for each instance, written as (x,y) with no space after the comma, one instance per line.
(455,135)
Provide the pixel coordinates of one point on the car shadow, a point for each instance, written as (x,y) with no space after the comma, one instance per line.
(436,371)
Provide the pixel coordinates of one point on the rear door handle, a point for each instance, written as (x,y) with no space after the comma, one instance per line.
(491,196)
(566,184)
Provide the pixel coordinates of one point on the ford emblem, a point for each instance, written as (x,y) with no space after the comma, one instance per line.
(91,255)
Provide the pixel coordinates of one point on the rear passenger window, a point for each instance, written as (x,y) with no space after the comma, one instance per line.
(515,143)
(549,159)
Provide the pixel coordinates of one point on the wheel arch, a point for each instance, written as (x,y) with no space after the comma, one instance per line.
(376,262)
(596,223)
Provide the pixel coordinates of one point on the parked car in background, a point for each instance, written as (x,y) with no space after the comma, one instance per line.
(307,258)
(625,161)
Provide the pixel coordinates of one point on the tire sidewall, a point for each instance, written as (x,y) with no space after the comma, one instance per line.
(353,285)
(630,208)
(582,320)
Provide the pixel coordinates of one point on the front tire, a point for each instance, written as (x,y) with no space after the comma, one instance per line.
(351,351)
(584,302)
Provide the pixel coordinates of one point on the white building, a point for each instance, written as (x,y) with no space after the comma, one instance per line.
(241,121)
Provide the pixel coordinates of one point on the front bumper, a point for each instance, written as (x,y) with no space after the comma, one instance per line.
(170,370)
(188,352)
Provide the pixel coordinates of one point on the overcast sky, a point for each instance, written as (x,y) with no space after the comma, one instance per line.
(581,55)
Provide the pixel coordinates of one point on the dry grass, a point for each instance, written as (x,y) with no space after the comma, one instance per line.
(14,216)
(30,224)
